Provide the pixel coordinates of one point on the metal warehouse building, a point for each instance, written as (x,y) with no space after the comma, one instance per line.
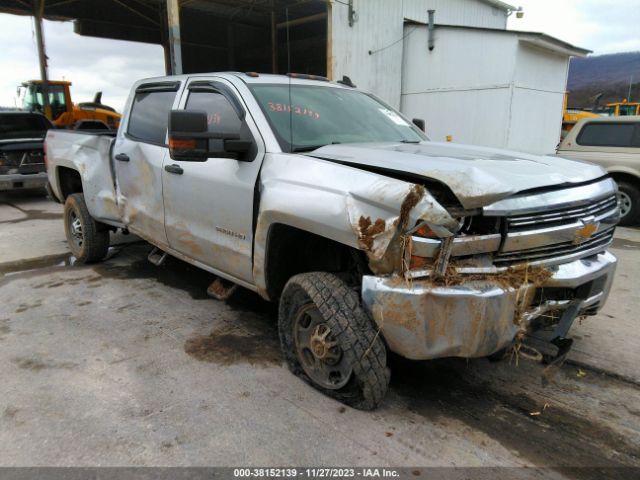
(450,62)
(463,73)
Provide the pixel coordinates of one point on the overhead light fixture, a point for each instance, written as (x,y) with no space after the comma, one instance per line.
(519,12)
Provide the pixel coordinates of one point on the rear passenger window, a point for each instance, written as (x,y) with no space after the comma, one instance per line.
(607,135)
(221,117)
(150,116)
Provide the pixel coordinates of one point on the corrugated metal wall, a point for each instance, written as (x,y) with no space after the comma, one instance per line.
(538,97)
(463,87)
(481,87)
(484,88)
(456,12)
(370,52)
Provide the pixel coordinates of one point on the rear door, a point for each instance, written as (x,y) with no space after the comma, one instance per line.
(139,154)
(209,205)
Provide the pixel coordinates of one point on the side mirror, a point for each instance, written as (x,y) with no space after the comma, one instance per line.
(190,138)
(419,122)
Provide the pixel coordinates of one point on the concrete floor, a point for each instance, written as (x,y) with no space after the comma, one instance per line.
(124,363)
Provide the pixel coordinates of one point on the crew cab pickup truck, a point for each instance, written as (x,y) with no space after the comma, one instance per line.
(325,199)
(21,150)
(614,144)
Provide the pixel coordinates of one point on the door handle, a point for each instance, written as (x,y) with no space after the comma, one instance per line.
(177,169)
(122,157)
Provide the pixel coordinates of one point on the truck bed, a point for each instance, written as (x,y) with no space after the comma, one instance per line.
(89,154)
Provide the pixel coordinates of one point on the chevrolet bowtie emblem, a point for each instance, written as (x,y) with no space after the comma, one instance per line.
(585,232)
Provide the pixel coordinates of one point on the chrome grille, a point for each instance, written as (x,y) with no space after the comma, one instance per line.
(598,242)
(562,216)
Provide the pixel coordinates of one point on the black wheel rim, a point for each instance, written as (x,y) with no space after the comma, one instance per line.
(318,350)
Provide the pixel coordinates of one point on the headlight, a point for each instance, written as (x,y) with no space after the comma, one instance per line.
(425,229)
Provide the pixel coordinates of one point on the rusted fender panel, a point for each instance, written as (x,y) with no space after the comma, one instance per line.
(351,206)
(477,176)
(89,156)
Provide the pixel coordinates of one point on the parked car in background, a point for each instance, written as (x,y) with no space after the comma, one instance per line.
(613,143)
(22,150)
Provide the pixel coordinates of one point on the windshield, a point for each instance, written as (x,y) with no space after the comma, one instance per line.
(15,125)
(33,101)
(311,117)
(627,110)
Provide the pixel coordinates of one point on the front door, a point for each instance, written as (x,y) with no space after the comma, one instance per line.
(139,155)
(209,205)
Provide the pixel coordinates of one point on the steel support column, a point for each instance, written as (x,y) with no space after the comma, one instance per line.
(173,26)
(38,12)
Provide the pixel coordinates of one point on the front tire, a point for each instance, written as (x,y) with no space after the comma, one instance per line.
(630,204)
(330,342)
(88,239)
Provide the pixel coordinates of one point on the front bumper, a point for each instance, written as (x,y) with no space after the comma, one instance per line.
(421,321)
(20,181)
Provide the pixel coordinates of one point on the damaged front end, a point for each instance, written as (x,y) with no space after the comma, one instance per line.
(470,283)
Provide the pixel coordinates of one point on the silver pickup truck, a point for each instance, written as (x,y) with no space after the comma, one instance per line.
(370,236)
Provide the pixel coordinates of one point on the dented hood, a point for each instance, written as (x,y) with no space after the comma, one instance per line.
(478,176)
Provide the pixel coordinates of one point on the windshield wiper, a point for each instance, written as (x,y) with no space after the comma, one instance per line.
(310,148)
(306,148)
(409,141)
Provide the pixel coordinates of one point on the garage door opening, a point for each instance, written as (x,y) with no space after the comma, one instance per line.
(215,35)
(226,35)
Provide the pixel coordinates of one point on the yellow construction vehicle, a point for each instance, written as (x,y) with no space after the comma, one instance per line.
(572,116)
(62,112)
(623,108)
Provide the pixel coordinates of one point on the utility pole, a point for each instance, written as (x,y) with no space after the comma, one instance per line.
(173,21)
(38,13)
(630,84)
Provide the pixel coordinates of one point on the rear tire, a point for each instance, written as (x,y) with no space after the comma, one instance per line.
(88,239)
(348,360)
(630,204)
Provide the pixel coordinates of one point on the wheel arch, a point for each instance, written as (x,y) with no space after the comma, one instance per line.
(625,175)
(290,250)
(69,181)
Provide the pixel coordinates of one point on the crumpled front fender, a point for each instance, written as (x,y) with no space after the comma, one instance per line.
(361,209)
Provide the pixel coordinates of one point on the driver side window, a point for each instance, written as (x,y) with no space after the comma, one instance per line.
(221,117)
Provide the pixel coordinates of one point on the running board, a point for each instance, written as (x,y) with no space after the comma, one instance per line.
(157,256)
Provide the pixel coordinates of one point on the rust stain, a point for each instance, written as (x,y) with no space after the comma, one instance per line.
(401,314)
(585,233)
(411,200)
(512,278)
(392,259)
(368,231)
(479,333)
(420,263)
(110,208)
(186,239)
(217,288)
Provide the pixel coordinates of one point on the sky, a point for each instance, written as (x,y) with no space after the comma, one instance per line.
(603,26)
(92,64)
